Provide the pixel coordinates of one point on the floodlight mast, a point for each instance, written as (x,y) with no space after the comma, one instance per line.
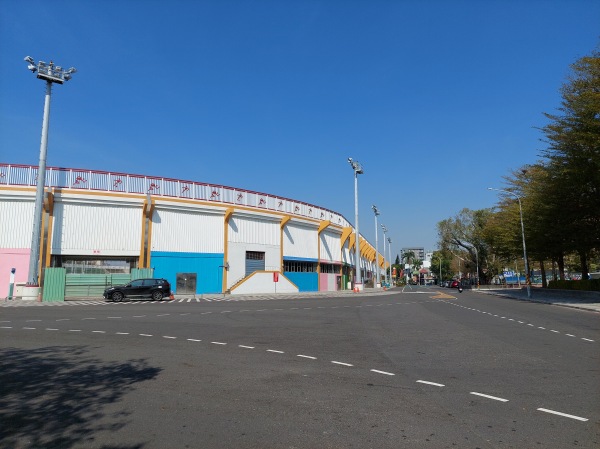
(51,74)
(377,267)
(358,170)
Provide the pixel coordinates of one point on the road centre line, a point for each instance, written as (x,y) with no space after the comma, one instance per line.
(99,332)
(29,321)
(218,343)
(382,372)
(145,335)
(587,339)
(578,418)
(114,317)
(341,363)
(306,356)
(29,328)
(51,329)
(277,352)
(139,316)
(122,333)
(569,335)
(163,314)
(64,319)
(435,384)
(193,339)
(489,397)
(167,336)
(88,319)
(74,330)
(246,347)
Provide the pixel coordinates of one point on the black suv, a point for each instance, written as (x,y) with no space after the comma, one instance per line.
(156,289)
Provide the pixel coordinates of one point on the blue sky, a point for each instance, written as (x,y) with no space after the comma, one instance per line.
(437,99)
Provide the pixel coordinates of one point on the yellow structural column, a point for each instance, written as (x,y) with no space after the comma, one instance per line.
(228,214)
(322,226)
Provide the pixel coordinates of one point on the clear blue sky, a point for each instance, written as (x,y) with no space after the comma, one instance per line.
(437,99)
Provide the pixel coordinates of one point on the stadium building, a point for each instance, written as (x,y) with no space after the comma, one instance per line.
(100,228)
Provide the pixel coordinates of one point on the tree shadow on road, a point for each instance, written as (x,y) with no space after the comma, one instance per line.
(53,397)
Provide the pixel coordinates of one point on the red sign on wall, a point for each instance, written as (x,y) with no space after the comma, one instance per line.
(275,276)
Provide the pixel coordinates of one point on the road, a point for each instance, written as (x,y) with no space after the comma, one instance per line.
(413,368)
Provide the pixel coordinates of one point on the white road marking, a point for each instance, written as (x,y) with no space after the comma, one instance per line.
(29,321)
(217,343)
(226,311)
(64,319)
(435,384)
(382,372)
(569,335)
(542,328)
(341,363)
(166,336)
(5,321)
(164,314)
(51,329)
(587,339)
(247,347)
(245,310)
(273,350)
(510,319)
(74,330)
(578,418)
(29,328)
(193,339)
(489,397)
(139,316)
(530,325)
(205,313)
(122,333)
(99,332)
(521,322)
(114,317)
(5,327)
(88,319)
(306,356)
(145,335)
(556,332)
(182,314)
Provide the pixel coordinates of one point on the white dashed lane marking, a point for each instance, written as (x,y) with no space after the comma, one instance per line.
(578,418)
(193,339)
(489,397)
(277,352)
(306,356)
(341,363)
(435,384)
(382,372)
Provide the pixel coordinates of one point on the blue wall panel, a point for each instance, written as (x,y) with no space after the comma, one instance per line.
(206,266)
(306,282)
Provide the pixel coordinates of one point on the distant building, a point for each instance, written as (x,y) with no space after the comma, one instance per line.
(418,252)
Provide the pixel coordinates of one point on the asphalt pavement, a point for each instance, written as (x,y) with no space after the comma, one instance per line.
(414,368)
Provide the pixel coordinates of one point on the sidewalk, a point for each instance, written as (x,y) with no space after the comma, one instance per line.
(565,298)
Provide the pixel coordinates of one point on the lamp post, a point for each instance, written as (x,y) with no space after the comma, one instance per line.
(390,252)
(384,253)
(51,74)
(358,170)
(378,282)
(527,281)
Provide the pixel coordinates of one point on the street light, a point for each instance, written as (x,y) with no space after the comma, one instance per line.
(358,170)
(384,253)
(527,281)
(51,74)
(376,211)
(390,251)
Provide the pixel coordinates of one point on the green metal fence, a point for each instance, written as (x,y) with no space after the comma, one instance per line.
(59,285)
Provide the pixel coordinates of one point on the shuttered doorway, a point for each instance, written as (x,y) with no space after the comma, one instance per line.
(255,261)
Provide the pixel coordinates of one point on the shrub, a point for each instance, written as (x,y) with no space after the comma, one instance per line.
(584,285)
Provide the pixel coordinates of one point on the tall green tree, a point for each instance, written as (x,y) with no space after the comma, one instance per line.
(572,159)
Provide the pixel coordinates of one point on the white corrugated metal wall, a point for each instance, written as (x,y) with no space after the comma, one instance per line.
(252,233)
(95,228)
(330,246)
(16,222)
(175,230)
(300,241)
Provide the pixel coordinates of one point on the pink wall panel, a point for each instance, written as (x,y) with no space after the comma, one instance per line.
(13,258)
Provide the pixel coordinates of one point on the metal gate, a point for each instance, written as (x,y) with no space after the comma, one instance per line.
(186,283)
(255,261)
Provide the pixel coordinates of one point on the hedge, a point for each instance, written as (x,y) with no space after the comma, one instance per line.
(587,285)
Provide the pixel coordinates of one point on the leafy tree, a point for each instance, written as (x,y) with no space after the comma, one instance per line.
(572,159)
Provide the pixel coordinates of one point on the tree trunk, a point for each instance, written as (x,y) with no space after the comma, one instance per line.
(584,265)
(561,266)
(543,270)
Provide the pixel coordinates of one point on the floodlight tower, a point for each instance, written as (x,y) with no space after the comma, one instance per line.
(358,170)
(384,253)
(51,74)
(377,282)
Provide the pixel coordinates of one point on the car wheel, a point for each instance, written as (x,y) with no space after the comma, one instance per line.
(117,296)
(157,295)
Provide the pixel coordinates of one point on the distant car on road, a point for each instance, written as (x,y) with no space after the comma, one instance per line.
(157,289)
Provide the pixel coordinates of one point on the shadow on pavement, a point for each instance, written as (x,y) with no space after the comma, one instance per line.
(53,397)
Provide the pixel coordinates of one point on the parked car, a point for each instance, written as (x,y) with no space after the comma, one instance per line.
(156,289)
